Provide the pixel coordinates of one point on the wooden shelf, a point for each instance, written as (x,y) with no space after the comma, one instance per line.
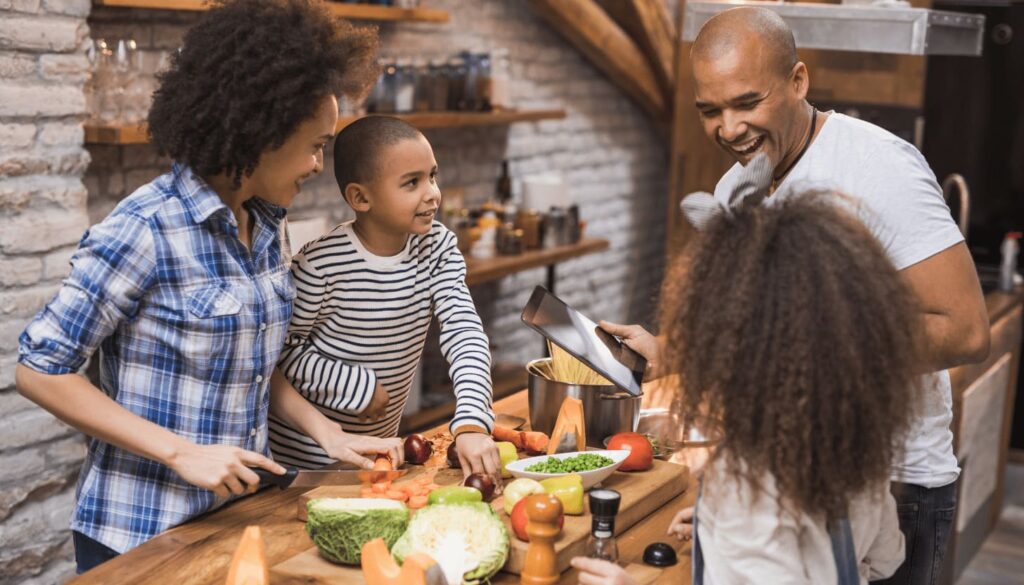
(506,379)
(430,120)
(343,10)
(138,134)
(480,271)
(115,134)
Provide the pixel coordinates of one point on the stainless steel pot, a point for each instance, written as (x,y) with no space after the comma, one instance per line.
(606,409)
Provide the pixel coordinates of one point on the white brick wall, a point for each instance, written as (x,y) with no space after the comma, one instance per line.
(42,214)
(611,159)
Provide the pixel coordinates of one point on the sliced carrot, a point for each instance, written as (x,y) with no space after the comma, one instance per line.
(417,502)
(396,495)
(383,463)
(431,487)
(381,486)
(367,492)
(405,487)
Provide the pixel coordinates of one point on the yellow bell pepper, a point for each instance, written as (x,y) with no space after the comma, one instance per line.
(567,488)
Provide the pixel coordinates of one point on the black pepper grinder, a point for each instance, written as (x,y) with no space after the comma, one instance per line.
(604,505)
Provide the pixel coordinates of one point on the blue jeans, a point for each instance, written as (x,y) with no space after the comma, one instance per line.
(926,520)
(89,553)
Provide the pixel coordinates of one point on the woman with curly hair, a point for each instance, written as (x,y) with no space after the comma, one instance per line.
(789,326)
(185,287)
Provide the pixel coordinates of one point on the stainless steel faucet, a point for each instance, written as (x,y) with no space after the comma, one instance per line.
(957,180)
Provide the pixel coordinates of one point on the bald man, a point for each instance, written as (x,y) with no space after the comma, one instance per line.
(751,95)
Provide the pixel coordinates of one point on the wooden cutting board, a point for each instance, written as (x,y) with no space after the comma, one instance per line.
(642,493)
(309,568)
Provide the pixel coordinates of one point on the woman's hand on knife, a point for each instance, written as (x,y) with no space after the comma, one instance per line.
(222,469)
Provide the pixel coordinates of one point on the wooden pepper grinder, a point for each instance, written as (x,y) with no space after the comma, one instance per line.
(541,564)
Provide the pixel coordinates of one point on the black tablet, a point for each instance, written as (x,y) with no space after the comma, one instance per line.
(583,339)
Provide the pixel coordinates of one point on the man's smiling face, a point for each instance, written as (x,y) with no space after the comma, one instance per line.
(747,106)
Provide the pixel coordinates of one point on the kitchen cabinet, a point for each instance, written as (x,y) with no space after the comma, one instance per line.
(983,398)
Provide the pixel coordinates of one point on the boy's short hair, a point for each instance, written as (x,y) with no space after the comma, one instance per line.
(358,147)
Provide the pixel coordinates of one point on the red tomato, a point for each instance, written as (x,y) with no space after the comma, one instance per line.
(519,520)
(641,454)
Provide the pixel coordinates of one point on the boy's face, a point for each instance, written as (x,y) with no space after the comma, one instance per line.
(404,196)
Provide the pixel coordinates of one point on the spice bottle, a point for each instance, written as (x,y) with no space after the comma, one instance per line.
(604,505)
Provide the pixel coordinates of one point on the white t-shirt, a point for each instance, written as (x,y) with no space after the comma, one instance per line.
(904,209)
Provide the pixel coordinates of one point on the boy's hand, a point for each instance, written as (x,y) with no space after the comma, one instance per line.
(222,469)
(478,454)
(636,338)
(378,404)
(682,524)
(601,572)
(349,448)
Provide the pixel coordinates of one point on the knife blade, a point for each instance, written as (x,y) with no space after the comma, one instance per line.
(318,477)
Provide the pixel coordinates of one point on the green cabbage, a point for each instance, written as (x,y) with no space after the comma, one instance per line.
(473,530)
(339,527)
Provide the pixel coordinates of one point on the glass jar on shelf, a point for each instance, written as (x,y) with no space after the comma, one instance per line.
(499,90)
(456,83)
(424,81)
(405,86)
(382,98)
(482,79)
(438,86)
(469,98)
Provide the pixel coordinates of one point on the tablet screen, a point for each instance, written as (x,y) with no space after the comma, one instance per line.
(581,337)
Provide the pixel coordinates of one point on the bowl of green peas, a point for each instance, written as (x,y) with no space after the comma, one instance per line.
(593,466)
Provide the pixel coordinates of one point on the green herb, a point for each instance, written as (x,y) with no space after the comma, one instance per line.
(581,462)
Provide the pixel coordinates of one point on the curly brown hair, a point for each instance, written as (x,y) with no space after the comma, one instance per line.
(248,74)
(789,326)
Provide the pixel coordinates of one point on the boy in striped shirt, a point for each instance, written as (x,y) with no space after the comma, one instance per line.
(367,291)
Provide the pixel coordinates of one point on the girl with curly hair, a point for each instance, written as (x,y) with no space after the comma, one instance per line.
(185,287)
(789,326)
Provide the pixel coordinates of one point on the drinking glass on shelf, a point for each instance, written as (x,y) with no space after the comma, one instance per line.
(104,107)
(139,87)
(124,74)
(93,53)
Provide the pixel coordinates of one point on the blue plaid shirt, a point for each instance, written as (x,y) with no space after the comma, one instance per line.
(189,325)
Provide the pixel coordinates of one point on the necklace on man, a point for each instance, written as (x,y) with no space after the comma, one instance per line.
(807,143)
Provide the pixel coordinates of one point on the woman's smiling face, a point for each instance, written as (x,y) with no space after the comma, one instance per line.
(279,175)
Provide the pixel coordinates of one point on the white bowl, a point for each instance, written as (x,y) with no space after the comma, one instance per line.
(590,478)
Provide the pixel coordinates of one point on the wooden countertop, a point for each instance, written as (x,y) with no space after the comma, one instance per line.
(199,552)
(999,303)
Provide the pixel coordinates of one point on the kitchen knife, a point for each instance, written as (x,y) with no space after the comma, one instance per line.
(318,477)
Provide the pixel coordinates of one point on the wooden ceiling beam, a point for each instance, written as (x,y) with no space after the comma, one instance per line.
(649,23)
(589,28)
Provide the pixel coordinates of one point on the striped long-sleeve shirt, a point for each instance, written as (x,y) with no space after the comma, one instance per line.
(360,318)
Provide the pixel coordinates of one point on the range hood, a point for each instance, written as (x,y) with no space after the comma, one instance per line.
(872,28)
